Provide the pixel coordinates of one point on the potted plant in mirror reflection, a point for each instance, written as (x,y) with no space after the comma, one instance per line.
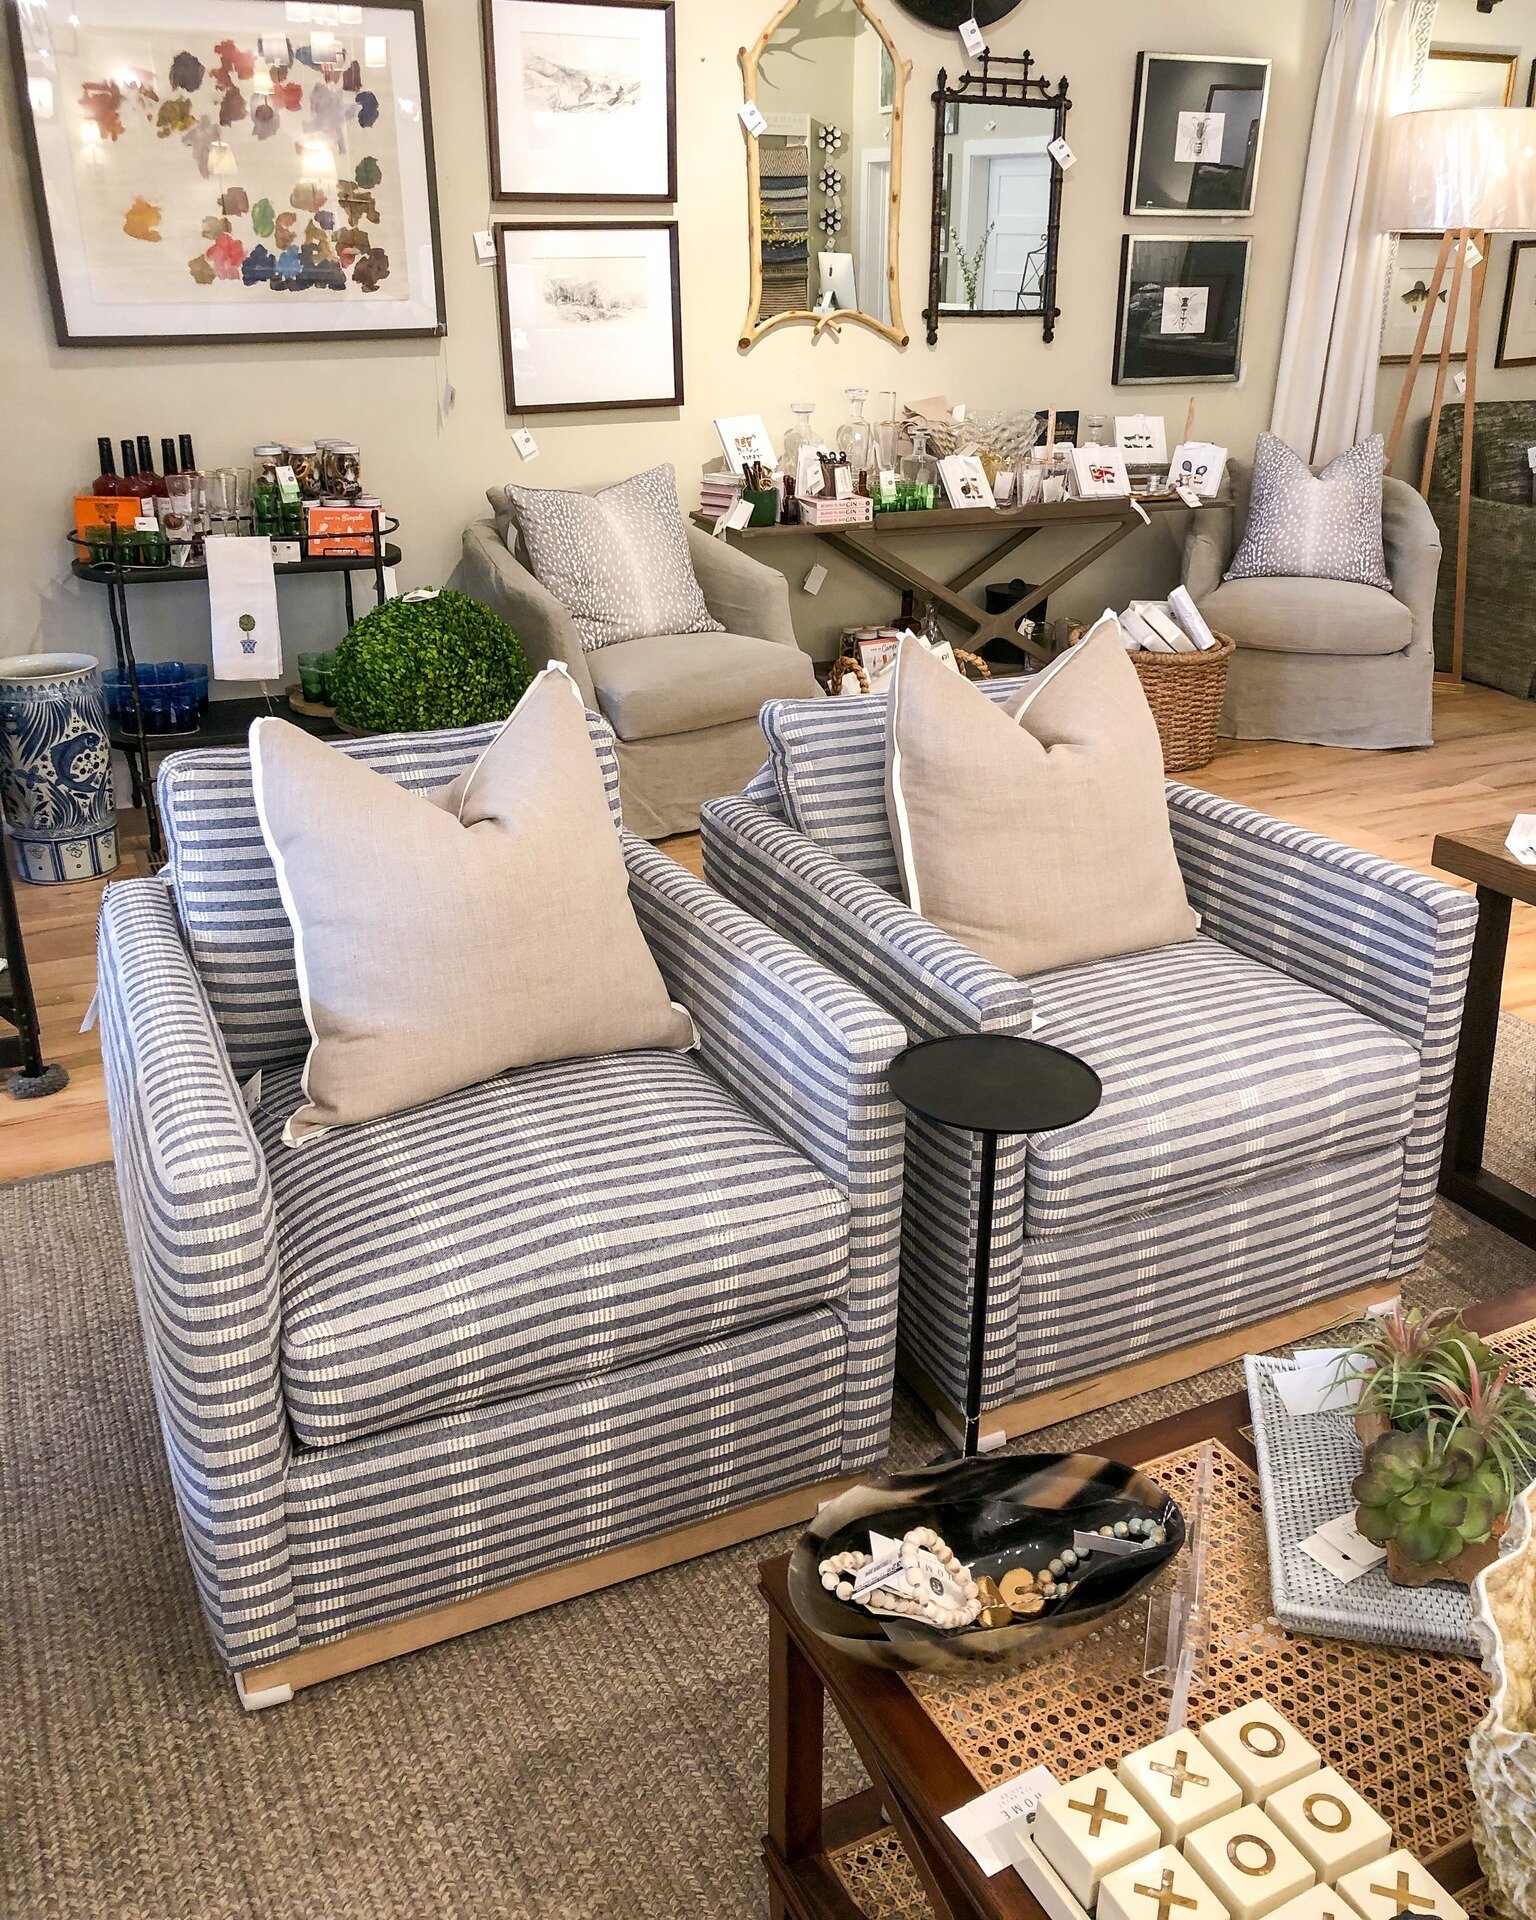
(1449,1442)
(970,264)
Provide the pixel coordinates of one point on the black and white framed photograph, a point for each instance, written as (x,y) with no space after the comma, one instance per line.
(231,171)
(1197,131)
(1517,322)
(1181,309)
(590,315)
(581,99)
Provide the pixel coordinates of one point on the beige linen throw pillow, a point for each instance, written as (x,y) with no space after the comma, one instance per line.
(442,940)
(1036,833)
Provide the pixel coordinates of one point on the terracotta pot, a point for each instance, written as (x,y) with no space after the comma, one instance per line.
(1464,1569)
(1371,1427)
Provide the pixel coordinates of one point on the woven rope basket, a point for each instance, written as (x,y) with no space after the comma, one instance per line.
(1185,692)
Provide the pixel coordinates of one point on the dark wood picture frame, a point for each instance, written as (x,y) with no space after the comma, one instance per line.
(1014,84)
(1200,171)
(504,320)
(506,196)
(1241,246)
(1502,358)
(44,224)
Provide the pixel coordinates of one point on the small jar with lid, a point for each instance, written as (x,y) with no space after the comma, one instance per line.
(304,458)
(343,469)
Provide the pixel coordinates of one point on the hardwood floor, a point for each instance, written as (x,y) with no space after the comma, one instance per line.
(1480,772)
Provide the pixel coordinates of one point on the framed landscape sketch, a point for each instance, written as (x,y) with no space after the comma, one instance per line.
(1413,270)
(1517,323)
(590,315)
(581,99)
(1197,129)
(228,170)
(1182,303)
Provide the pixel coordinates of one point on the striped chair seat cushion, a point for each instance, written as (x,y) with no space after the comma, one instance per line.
(1218,1071)
(226,890)
(546,1227)
(828,761)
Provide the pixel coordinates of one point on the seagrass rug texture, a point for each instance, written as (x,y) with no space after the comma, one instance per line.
(605,1760)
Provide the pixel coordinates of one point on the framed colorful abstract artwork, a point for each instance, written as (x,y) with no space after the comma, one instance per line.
(581,99)
(230,170)
(590,315)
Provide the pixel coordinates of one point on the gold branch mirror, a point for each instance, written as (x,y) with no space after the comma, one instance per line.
(824,173)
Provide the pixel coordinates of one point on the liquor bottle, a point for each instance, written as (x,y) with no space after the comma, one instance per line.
(108,482)
(133,481)
(155,488)
(167,456)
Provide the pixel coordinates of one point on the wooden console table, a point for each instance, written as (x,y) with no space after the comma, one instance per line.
(877,549)
(1500,879)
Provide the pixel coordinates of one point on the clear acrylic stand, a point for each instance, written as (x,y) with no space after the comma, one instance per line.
(1177,1623)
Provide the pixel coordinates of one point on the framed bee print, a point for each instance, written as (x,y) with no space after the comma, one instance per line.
(1197,131)
(1182,303)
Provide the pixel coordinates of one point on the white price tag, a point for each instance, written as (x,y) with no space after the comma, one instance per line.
(842,484)
(751,117)
(1530,458)
(250,1093)
(450,394)
(1189,496)
(1474,253)
(984,1826)
(525,443)
(733,519)
(146,523)
(816,579)
(485,247)
(286,553)
(957,414)
(1342,1549)
(391,584)
(1319,1382)
(973,39)
(1062,154)
(1146,518)
(517,339)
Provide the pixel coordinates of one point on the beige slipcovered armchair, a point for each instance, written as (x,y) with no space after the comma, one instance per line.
(1330,662)
(683,706)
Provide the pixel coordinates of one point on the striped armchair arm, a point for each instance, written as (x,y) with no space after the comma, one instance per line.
(809,1055)
(202,1244)
(1391,943)
(932,983)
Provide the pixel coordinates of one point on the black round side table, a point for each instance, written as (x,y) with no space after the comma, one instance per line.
(991,1083)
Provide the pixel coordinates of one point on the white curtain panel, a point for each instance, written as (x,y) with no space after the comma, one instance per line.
(1326,392)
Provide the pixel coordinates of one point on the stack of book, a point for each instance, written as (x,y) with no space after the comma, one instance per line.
(718,493)
(1174,625)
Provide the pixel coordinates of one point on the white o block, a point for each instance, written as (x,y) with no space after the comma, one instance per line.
(1398,1884)
(1180,1784)
(1331,1824)
(1248,1863)
(1317,1903)
(1260,1748)
(1163,1886)
(1089,1828)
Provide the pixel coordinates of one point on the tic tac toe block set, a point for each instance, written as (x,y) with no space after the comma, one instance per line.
(1238,1821)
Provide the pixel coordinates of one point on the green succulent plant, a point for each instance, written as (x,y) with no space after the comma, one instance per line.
(416,664)
(1446,1484)
(1409,1358)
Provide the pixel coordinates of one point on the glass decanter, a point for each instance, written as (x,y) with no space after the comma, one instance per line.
(855,439)
(920,469)
(801,435)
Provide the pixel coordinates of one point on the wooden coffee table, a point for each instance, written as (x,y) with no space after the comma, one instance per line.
(1500,879)
(890,1841)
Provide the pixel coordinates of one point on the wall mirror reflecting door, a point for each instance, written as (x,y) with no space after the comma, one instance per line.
(824,173)
(996,195)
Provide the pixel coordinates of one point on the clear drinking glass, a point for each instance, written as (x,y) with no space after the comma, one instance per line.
(223,484)
(179,517)
(855,438)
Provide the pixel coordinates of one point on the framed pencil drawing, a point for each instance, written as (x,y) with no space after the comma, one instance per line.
(1182,302)
(1197,132)
(590,315)
(581,99)
(207,171)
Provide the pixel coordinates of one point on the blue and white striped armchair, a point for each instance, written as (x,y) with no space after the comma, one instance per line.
(1264,1160)
(581,1321)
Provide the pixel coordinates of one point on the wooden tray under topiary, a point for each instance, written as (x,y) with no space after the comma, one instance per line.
(1185,692)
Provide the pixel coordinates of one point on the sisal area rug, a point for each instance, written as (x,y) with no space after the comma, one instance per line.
(605,1760)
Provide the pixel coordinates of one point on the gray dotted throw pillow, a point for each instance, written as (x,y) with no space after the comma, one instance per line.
(1314,526)
(617,560)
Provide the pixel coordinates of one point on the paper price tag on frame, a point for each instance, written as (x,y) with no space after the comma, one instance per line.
(1062,154)
(751,117)
(972,38)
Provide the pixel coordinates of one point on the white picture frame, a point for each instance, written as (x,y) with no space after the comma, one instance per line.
(591,315)
(284,189)
(581,99)
(965,482)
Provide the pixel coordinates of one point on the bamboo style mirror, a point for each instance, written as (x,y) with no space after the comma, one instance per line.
(824,174)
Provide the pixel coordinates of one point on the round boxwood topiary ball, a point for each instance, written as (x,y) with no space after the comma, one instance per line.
(411,665)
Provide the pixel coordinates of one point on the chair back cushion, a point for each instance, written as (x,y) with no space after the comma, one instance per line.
(828,763)
(617,560)
(225,885)
(1503,431)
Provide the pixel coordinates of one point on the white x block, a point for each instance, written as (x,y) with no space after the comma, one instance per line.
(1163,1886)
(1180,1784)
(1398,1884)
(1089,1828)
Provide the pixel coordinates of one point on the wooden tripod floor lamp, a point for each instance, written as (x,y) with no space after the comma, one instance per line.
(1464,173)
